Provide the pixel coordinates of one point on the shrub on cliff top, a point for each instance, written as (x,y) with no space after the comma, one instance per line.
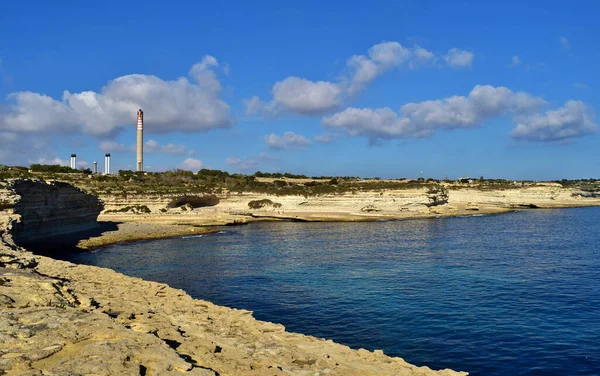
(257,204)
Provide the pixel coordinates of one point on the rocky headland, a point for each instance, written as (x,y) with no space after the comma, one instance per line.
(60,318)
(366,205)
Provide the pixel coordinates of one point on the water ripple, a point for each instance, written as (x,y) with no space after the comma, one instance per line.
(516,294)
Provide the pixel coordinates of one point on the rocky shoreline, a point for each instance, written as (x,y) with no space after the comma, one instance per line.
(60,318)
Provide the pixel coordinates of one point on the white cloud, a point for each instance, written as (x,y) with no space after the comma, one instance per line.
(326,138)
(380,123)
(457,58)
(254,106)
(204,75)
(297,95)
(192,164)
(289,140)
(579,85)
(304,97)
(177,105)
(381,58)
(564,43)
(233,161)
(516,61)
(483,103)
(572,120)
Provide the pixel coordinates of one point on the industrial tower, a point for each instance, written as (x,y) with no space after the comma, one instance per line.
(140,141)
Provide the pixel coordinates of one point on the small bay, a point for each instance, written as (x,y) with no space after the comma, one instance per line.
(517,293)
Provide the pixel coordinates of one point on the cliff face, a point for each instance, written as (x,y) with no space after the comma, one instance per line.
(50,210)
(61,318)
(357,206)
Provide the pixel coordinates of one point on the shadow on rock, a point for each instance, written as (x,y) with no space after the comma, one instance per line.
(54,217)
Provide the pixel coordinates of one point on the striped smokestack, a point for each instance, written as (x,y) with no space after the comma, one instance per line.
(140,140)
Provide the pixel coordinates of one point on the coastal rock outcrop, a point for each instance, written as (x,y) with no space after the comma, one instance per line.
(47,210)
(60,318)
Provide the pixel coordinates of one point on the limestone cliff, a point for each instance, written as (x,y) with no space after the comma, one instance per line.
(47,210)
(65,319)
(352,206)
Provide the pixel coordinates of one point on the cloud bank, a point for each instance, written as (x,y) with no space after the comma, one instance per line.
(170,105)
(289,140)
(299,96)
(483,103)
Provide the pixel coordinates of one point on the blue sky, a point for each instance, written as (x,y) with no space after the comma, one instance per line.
(380,88)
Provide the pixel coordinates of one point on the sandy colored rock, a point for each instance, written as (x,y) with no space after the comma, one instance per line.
(61,318)
(131,231)
(58,318)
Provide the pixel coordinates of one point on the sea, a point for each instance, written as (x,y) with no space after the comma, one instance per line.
(509,294)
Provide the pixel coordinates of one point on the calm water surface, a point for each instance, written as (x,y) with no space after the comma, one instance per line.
(514,294)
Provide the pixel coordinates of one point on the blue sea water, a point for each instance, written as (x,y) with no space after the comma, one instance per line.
(511,294)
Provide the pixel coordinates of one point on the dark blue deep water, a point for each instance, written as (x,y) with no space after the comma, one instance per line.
(513,294)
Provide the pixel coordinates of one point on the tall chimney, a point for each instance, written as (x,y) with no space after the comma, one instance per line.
(107,164)
(73,161)
(95,167)
(140,140)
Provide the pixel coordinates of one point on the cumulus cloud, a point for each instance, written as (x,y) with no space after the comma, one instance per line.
(192,164)
(457,58)
(289,140)
(483,103)
(572,120)
(177,105)
(380,58)
(305,97)
(297,95)
(380,123)
(205,76)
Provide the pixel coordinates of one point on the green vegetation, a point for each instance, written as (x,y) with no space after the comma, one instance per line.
(202,188)
(134,209)
(257,204)
(193,201)
(35,167)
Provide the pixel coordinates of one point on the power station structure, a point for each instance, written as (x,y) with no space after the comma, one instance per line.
(140,150)
(140,141)
(107,164)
